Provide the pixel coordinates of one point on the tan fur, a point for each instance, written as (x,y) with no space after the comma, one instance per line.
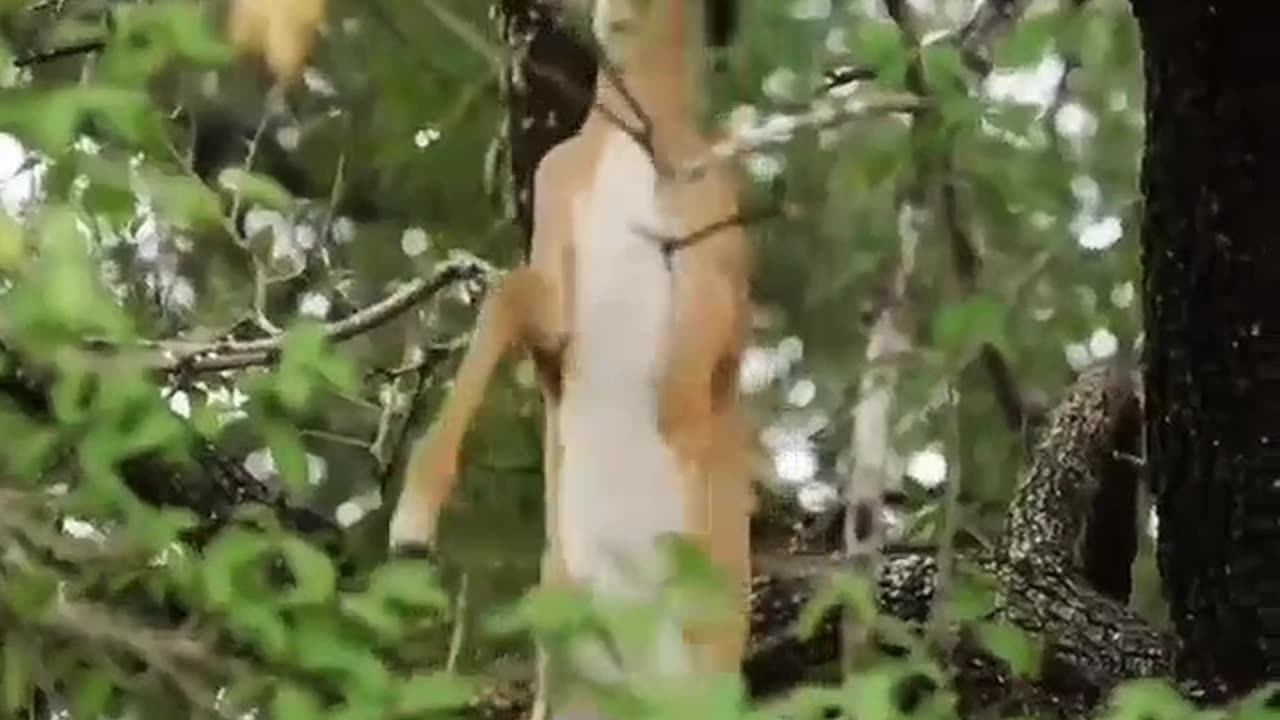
(700,417)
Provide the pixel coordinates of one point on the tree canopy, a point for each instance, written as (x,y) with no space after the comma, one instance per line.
(241,244)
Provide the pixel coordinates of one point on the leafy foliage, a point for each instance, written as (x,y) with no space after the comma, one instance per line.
(162,193)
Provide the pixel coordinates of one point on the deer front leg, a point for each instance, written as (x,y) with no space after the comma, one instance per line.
(523,309)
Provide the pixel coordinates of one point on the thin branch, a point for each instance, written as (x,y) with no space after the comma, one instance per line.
(780,129)
(165,650)
(59,53)
(990,23)
(840,76)
(871,439)
(398,400)
(181,658)
(458,637)
(178,356)
(673,243)
(939,617)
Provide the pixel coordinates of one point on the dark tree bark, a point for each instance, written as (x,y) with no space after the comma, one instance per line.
(1211,176)
(549,89)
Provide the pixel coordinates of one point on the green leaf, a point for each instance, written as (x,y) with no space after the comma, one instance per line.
(16,679)
(314,576)
(93,690)
(853,592)
(1148,699)
(972,597)
(261,625)
(945,71)
(224,559)
(712,698)
(193,35)
(411,584)
(32,593)
(183,201)
(320,645)
(546,611)
(287,452)
(46,120)
(1257,705)
(294,703)
(959,328)
(695,582)
(873,693)
(157,529)
(294,380)
(1031,38)
(206,420)
(256,188)
(432,693)
(1019,649)
(880,45)
(127,112)
(374,615)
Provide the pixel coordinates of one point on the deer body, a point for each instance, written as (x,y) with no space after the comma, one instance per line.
(637,351)
(619,482)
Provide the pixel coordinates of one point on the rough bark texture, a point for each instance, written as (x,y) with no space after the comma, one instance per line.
(1042,564)
(1211,176)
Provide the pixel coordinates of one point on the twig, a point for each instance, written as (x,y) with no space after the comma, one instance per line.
(336,438)
(58,53)
(840,76)
(260,280)
(405,383)
(991,21)
(779,129)
(939,618)
(459,635)
(422,359)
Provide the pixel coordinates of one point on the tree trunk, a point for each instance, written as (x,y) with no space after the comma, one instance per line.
(549,89)
(1211,176)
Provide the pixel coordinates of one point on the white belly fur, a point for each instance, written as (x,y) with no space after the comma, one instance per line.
(619,491)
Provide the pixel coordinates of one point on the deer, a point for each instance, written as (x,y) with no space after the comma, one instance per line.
(634,307)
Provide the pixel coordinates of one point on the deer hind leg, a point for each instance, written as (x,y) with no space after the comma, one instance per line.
(699,419)
(720,501)
(730,505)
(523,309)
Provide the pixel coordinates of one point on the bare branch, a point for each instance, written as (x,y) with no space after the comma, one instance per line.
(991,22)
(178,356)
(825,113)
(59,53)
